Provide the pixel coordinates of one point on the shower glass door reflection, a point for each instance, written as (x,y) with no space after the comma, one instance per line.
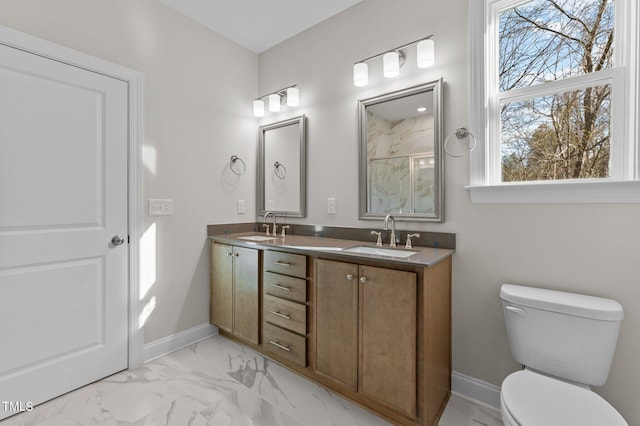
(401,185)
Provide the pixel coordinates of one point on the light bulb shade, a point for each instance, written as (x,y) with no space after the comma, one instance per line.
(258,108)
(293,96)
(274,102)
(426,53)
(391,64)
(360,74)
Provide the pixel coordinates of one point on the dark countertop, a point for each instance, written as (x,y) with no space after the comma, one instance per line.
(314,246)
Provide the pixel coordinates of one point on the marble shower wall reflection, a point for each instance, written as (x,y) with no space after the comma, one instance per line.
(400,164)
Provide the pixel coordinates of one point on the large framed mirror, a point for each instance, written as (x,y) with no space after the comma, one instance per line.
(401,164)
(281,171)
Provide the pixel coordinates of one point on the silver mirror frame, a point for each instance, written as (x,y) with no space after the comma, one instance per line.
(438,216)
(260,170)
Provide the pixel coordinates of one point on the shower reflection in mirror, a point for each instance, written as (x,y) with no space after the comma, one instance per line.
(400,155)
(403,184)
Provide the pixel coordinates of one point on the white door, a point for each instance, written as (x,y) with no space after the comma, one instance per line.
(63,197)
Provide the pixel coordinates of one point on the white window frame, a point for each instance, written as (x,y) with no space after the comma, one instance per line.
(485,163)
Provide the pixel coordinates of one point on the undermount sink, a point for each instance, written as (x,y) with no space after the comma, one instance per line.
(379,251)
(315,248)
(257,238)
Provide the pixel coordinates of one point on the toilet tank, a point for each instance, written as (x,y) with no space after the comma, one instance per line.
(567,335)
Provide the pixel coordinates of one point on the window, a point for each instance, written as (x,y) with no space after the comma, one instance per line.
(556,90)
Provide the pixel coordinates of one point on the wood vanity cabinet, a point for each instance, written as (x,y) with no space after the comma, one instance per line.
(235,293)
(366,331)
(284,306)
(337,322)
(378,332)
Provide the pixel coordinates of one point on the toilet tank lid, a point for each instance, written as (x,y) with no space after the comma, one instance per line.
(562,302)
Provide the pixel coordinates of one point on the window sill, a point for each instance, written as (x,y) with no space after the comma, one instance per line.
(584,192)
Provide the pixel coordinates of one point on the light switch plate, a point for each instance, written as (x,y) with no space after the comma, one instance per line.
(158,207)
(331,205)
(240,206)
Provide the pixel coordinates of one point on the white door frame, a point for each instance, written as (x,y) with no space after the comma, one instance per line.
(50,50)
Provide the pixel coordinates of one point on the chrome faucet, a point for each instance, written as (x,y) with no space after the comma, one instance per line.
(392,243)
(275,226)
(379,240)
(409,236)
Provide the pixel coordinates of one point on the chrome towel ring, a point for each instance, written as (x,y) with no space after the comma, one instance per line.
(280,170)
(460,133)
(237,166)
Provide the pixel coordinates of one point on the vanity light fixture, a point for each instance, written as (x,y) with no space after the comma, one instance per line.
(425,53)
(258,108)
(293,96)
(360,74)
(393,59)
(274,102)
(289,95)
(391,64)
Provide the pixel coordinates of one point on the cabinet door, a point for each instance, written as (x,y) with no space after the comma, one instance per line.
(337,321)
(388,337)
(222,286)
(246,306)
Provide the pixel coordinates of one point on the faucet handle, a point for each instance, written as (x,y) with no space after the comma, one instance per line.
(379,241)
(408,244)
(284,227)
(266,225)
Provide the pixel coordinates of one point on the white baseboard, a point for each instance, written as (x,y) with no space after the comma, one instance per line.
(475,389)
(166,345)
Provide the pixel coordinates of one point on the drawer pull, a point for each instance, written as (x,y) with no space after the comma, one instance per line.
(288,265)
(281,287)
(285,316)
(278,345)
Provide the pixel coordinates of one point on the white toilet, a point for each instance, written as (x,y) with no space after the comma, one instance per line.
(565,342)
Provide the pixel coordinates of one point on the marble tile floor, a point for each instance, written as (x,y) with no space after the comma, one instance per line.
(218,382)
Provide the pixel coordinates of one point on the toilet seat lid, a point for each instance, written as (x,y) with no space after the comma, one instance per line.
(535,399)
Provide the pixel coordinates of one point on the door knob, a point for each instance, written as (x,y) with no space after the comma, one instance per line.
(117,240)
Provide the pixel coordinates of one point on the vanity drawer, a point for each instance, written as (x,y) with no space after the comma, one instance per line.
(286,314)
(284,286)
(285,343)
(291,264)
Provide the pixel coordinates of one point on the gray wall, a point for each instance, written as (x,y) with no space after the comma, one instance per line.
(582,248)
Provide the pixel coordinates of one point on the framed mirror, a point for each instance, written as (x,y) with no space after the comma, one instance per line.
(401,163)
(281,171)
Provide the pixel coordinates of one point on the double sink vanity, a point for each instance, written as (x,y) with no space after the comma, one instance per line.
(370,323)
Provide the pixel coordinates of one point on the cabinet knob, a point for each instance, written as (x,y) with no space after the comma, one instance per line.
(349,277)
(363,279)
(229,254)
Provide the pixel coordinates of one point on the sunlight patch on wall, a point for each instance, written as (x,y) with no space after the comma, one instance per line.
(147,260)
(146,312)
(150,159)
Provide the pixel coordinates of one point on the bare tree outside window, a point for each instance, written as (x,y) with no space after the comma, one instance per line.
(564,135)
